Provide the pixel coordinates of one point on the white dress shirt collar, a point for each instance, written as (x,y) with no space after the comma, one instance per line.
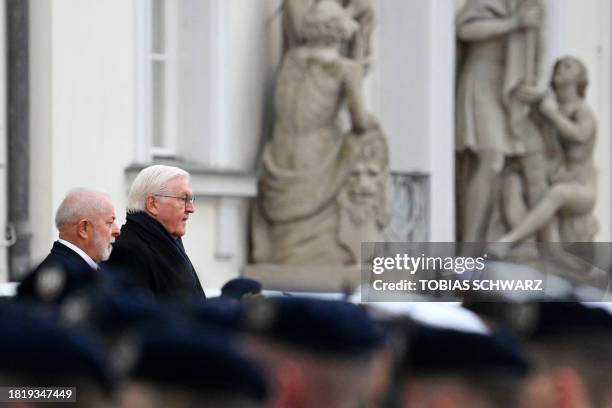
(81,253)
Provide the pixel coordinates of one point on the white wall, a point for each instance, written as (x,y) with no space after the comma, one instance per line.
(401,63)
(249,75)
(441,119)
(41,130)
(227,61)
(412,93)
(82,123)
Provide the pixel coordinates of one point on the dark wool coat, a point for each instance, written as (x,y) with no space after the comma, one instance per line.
(77,272)
(156,260)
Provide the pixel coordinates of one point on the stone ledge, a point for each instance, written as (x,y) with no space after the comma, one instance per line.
(305,278)
(8,289)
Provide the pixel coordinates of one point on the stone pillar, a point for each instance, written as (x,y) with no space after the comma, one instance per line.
(412,90)
(18,133)
(4,240)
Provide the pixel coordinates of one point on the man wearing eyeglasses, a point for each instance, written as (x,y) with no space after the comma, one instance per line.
(160,202)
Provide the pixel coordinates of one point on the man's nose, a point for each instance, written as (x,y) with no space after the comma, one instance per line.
(190,207)
(116,231)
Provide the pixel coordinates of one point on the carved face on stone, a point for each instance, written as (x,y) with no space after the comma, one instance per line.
(364,193)
(570,71)
(328,20)
(363,183)
(566,71)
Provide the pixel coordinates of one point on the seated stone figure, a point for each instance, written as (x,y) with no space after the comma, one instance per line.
(565,211)
(307,162)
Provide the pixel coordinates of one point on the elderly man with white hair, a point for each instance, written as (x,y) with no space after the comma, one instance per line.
(87,230)
(150,248)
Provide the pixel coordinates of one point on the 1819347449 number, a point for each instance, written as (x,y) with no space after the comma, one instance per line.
(38,394)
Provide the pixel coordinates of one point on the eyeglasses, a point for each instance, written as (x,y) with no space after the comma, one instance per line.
(184,199)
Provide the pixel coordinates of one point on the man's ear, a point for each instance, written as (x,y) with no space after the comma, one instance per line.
(151,205)
(83,227)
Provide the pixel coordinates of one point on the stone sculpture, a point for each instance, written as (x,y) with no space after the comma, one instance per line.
(500,77)
(322,190)
(565,211)
(363,212)
(357,47)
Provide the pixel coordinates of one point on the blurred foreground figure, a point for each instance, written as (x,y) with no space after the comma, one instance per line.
(241,288)
(86,223)
(184,366)
(36,351)
(454,369)
(318,352)
(150,248)
(571,346)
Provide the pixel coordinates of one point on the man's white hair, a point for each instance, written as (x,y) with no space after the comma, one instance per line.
(79,203)
(151,180)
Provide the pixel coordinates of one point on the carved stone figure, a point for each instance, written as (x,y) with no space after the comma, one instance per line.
(358,46)
(300,216)
(362,201)
(501,75)
(565,211)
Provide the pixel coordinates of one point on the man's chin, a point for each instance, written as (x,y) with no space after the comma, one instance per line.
(106,254)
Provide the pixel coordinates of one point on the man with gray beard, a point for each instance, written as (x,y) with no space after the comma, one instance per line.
(87,230)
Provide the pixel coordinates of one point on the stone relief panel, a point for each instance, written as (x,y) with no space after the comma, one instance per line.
(409,209)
